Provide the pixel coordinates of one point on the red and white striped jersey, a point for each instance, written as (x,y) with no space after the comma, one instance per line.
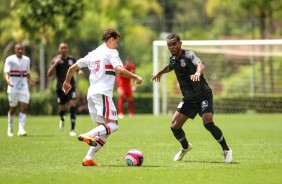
(101,63)
(18,68)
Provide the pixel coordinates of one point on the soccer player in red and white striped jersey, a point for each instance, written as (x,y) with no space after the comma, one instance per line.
(103,64)
(16,71)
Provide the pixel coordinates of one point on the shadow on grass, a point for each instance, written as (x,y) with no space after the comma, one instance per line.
(152,166)
(39,135)
(211,162)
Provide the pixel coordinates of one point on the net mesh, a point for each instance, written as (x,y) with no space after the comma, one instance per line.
(244,78)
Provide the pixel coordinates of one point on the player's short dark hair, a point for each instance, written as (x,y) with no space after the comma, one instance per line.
(173,36)
(110,33)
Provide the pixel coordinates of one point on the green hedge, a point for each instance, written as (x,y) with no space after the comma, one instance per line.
(39,104)
(244,104)
(45,104)
(143,103)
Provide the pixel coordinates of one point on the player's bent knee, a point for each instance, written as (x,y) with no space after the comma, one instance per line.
(111,127)
(175,125)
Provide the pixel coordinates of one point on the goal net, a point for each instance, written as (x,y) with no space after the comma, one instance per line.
(245,75)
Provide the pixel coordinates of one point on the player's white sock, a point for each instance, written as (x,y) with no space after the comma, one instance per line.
(104,129)
(10,120)
(101,140)
(22,118)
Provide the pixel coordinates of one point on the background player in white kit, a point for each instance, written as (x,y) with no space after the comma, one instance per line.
(103,63)
(16,71)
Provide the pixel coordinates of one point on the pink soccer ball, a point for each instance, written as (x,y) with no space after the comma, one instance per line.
(134,157)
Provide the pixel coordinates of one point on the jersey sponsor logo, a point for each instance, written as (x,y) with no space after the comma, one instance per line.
(204,104)
(19,85)
(182,63)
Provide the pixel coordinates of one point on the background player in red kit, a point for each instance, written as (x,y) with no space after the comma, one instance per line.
(125,88)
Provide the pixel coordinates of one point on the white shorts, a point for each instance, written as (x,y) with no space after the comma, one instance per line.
(101,106)
(14,98)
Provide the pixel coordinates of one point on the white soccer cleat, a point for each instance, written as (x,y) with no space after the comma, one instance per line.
(72,133)
(22,133)
(227,155)
(62,125)
(182,152)
(10,132)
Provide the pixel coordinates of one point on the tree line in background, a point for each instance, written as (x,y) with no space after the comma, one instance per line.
(44,24)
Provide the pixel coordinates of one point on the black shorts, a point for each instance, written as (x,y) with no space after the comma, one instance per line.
(191,109)
(63,99)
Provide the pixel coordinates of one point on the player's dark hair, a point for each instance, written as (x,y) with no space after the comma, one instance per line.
(110,33)
(173,36)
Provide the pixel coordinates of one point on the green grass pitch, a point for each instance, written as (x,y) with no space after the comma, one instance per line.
(50,156)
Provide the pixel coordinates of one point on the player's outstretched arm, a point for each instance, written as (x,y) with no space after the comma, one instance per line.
(199,72)
(66,85)
(157,77)
(125,73)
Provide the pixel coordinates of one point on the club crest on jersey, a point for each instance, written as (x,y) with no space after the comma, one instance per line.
(70,61)
(204,104)
(182,63)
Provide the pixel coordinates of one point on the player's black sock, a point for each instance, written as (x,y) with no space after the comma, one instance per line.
(62,114)
(179,134)
(217,134)
(73,117)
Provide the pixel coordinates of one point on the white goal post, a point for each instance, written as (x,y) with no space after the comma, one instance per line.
(223,47)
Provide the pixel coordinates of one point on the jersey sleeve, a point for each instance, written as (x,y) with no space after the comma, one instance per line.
(115,59)
(84,62)
(195,60)
(8,65)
